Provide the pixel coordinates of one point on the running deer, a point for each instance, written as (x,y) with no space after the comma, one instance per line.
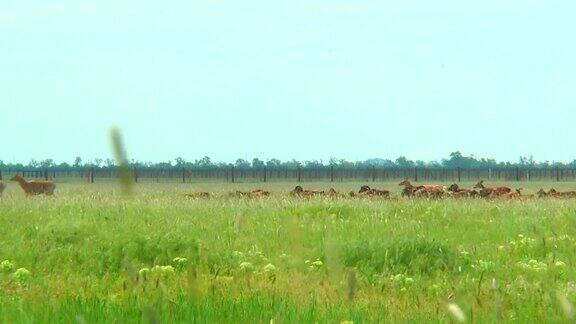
(561,194)
(431,191)
(491,192)
(256,193)
(300,192)
(455,191)
(370,192)
(198,195)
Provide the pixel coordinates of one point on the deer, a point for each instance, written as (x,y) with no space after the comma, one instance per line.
(256,193)
(457,192)
(421,191)
(198,195)
(541,193)
(332,193)
(511,195)
(409,189)
(370,192)
(491,192)
(300,192)
(35,187)
(561,194)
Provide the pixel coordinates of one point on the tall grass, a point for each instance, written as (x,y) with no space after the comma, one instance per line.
(94,256)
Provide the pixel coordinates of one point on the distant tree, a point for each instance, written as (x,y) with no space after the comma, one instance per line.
(77,162)
(242,164)
(257,164)
(457,160)
(162,165)
(314,164)
(64,166)
(403,162)
(379,163)
(204,163)
(33,163)
(109,162)
(48,163)
(179,161)
(274,164)
(292,164)
(434,164)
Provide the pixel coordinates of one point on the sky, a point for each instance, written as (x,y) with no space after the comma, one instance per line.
(287,79)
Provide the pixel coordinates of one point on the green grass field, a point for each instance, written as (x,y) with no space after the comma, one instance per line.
(93,255)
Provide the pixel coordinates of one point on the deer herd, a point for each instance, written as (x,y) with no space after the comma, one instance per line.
(38,187)
(421,191)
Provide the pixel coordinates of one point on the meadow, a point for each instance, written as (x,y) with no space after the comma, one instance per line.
(90,255)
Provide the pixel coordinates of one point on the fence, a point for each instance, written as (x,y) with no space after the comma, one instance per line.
(371,174)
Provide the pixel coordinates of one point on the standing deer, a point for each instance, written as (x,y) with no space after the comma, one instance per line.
(35,187)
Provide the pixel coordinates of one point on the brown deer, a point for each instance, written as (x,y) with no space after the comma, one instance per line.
(370,192)
(561,194)
(455,191)
(541,193)
(332,193)
(421,191)
(256,193)
(300,192)
(198,195)
(510,195)
(409,189)
(491,192)
(35,187)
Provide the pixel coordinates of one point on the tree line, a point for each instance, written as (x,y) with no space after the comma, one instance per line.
(455,160)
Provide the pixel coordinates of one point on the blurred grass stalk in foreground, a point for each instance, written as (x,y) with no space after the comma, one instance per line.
(119,151)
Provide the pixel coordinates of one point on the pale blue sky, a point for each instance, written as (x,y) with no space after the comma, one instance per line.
(288,79)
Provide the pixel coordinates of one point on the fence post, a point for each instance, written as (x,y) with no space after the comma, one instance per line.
(92,175)
(299,174)
(557,173)
(517,174)
(373,174)
(459,174)
(135,174)
(232,174)
(331,173)
(415,174)
(183,175)
(0,174)
(265,173)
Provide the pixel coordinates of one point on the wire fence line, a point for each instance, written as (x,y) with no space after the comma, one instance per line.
(332,174)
